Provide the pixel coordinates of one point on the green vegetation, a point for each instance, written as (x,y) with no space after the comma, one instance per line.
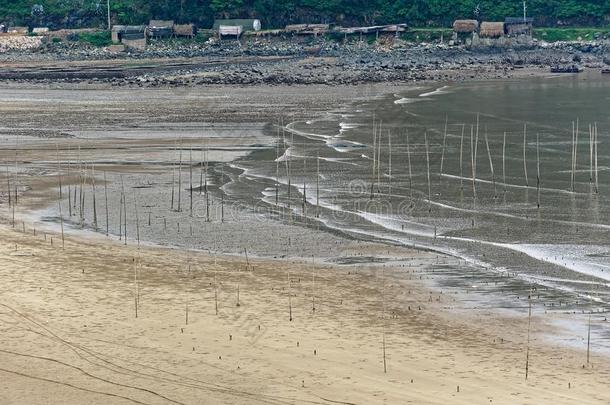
(277,13)
(571,34)
(98,39)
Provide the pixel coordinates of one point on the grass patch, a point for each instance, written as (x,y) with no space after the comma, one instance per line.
(571,34)
(98,39)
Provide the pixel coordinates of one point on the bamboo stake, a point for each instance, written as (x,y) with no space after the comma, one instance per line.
(529,324)
(390,164)
(589,339)
(215,292)
(318,187)
(374,156)
(527,184)
(201,168)
(410,171)
(8,185)
(491,164)
(538,169)
(135,285)
(473,164)
(191,181)
(180,179)
(207,195)
(590,154)
(383,318)
(304,189)
(461,158)
(277,168)
(121,217)
(61,217)
(289,298)
(93,193)
(379,160)
(573,156)
(596,168)
(428,172)
(69,190)
(504,161)
(106,202)
(440,172)
(135,204)
(173,175)
(313,284)
(222,194)
(124,210)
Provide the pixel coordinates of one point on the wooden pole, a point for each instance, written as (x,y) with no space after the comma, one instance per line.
(527,184)
(491,163)
(504,161)
(538,170)
(440,172)
(191,181)
(462,158)
(106,201)
(529,325)
(428,172)
(374,156)
(180,179)
(61,217)
(410,171)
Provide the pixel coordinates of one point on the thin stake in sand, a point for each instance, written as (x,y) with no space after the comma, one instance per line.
(527,184)
(390,165)
(93,193)
(191,181)
(410,171)
(462,158)
(374,156)
(491,163)
(538,170)
(504,161)
(106,201)
(529,325)
(428,172)
(61,217)
(440,172)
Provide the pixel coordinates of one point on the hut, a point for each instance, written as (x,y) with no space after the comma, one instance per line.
(18,30)
(121,32)
(229,31)
(245,24)
(465,26)
(491,29)
(518,26)
(161,28)
(40,30)
(185,30)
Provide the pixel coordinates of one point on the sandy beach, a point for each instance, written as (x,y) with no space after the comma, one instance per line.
(308,317)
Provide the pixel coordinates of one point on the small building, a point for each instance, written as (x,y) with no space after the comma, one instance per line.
(229,31)
(491,29)
(518,26)
(465,26)
(185,30)
(161,28)
(40,30)
(132,36)
(18,30)
(245,24)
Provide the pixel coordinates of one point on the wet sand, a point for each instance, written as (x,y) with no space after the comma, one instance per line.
(69,332)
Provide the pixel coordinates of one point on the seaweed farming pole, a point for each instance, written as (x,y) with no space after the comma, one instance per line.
(428,172)
(473,164)
(529,326)
(538,170)
(277,168)
(590,153)
(589,339)
(201,156)
(173,176)
(222,195)
(180,179)
(374,156)
(385,370)
(304,208)
(191,181)
(527,183)
(93,193)
(389,165)
(462,158)
(379,159)
(61,217)
(491,163)
(410,171)
(8,186)
(440,172)
(106,202)
(135,205)
(124,210)
(313,284)
(207,195)
(504,161)
(596,140)
(289,298)
(69,189)
(318,187)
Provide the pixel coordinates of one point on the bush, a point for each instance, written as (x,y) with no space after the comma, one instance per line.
(98,39)
(56,40)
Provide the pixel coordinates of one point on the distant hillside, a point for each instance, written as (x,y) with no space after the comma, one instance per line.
(276,13)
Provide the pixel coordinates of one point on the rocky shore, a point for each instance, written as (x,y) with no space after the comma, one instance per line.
(277,61)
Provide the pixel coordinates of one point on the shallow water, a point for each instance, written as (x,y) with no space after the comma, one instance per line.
(563,243)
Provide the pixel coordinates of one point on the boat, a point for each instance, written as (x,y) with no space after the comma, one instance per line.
(566,69)
(606,71)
